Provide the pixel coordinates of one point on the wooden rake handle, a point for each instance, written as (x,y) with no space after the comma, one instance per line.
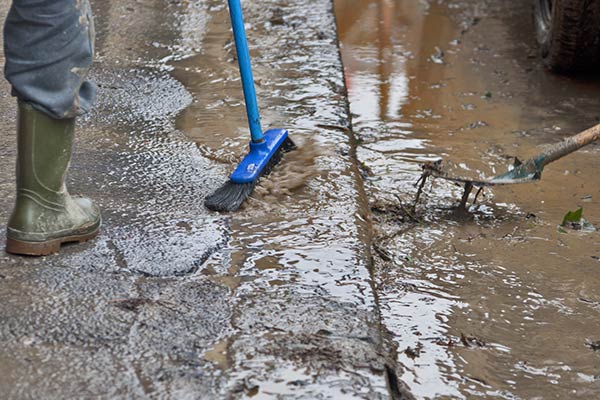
(567,146)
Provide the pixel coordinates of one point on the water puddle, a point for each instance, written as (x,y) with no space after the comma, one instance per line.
(497,302)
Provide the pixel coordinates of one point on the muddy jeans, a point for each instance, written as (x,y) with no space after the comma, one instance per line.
(49,46)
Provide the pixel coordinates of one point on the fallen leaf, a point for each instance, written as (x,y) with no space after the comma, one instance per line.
(572,217)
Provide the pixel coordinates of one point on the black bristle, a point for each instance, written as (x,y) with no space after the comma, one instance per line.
(231,196)
(288,145)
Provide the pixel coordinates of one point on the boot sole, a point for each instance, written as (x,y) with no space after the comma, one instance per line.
(45,248)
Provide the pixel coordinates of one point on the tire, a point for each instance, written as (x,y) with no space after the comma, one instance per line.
(568,33)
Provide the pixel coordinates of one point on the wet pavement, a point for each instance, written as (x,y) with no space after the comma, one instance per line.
(327,284)
(499,302)
(171,301)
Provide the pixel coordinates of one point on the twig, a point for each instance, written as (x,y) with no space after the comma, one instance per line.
(409,213)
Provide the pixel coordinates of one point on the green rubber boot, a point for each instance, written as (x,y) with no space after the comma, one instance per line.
(45,215)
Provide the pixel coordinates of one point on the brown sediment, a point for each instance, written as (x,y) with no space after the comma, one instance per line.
(501,272)
(296,171)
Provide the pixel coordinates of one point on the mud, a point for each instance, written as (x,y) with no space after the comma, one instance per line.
(171,301)
(497,302)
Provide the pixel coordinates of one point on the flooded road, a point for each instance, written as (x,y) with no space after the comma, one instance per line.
(498,303)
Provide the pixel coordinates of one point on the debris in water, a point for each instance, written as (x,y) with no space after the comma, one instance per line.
(589,301)
(444,342)
(574,220)
(277,17)
(382,252)
(477,124)
(396,210)
(572,217)
(415,352)
(471,341)
(594,345)
(438,56)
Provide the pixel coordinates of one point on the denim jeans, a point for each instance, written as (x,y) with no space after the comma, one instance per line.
(49,47)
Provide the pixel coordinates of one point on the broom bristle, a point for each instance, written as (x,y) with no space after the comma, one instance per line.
(288,145)
(231,195)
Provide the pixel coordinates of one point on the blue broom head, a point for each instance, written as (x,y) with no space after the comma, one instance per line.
(261,153)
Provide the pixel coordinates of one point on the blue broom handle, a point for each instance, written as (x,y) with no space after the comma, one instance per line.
(241,46)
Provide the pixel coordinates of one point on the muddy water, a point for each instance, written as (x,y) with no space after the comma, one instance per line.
(497,302)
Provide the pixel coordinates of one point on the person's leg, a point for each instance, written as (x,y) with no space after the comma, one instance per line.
(49,49)
(48,46)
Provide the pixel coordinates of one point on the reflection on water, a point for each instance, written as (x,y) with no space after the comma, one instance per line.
(473,312)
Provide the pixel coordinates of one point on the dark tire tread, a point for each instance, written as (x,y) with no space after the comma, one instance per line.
(572,42)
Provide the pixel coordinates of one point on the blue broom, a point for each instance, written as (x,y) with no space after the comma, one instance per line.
(265,149)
